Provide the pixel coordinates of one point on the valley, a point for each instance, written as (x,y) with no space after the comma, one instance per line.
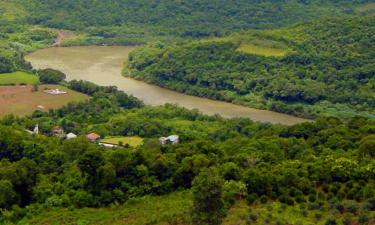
(187,112)
(103,65)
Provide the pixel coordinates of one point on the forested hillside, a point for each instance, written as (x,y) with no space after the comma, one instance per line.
(327,165)
(194,18)
(326,67)
(220,171)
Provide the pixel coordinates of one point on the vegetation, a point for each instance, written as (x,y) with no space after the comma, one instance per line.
(134,141)
(159,210)
(223,171)
(125,21)
(18,78)
(329,162)
(51,76)
(327,68)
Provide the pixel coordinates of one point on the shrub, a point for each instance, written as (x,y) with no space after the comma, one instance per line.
(251,198)
(330,221)
(51,76)
(363,219)
(370,204)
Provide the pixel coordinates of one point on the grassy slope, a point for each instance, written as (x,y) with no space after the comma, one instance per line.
(174,209)
(171,209)
(18,78)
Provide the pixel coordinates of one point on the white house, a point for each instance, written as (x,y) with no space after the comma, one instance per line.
(173,139)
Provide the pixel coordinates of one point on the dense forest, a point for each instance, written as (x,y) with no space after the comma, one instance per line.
(327,162)
(129,21)
(326,67)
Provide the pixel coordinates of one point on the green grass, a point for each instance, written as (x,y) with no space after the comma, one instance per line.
(261,50)
(134,141)
(18,78)
(169,209)
(255,43)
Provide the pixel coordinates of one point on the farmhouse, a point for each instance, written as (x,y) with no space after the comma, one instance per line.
(93,137)
(173,139)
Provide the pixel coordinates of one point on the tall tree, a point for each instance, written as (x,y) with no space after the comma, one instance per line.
(208,205)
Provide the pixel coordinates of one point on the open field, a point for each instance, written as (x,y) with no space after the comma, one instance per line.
(170,209)
(261,50)
(134,141)
(20,100)
(18,78)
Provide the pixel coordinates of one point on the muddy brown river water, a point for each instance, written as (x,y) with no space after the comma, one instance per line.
(103,64)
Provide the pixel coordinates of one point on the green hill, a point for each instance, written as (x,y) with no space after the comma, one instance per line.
(195,18)
(324,67)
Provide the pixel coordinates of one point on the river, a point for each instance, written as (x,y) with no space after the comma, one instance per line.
(103,64)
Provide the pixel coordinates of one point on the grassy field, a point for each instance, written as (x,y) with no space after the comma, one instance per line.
(170,209)
(261,50)
(21,100)
(18,78)
(134,141)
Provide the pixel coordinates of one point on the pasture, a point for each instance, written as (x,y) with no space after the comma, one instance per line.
(134,141)
(21,100)
(251,48)
(18,78)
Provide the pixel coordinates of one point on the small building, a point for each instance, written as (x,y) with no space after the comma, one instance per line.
(93,137)
(173,139)
(71,136)
(106,145)
(58,131)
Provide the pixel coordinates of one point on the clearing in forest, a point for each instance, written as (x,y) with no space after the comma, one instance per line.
(251,48)
(22,100)
(133,141)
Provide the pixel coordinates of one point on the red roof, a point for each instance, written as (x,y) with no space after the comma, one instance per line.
(93,136)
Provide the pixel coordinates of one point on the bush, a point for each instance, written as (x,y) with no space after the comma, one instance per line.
(363,219)
(370,204)
(51,76)
(330,221)
(251,198)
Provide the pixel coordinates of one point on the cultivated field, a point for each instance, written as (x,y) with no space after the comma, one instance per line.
(18,78)
(134,141)
(21,100)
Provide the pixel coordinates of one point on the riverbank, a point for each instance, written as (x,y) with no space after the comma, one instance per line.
(102,65)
